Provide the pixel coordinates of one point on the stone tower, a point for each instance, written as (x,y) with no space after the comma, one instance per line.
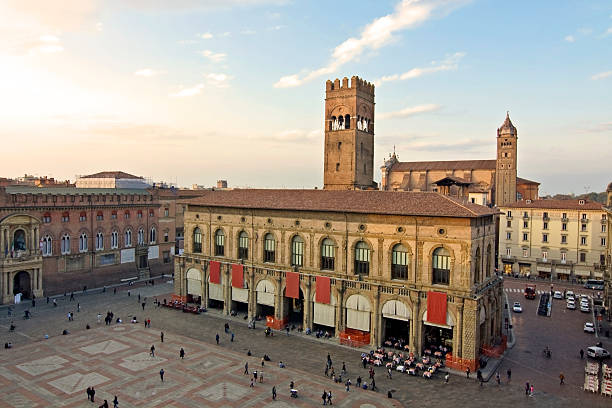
(349,135)
(505,171)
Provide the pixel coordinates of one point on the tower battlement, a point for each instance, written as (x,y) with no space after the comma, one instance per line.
(354,83)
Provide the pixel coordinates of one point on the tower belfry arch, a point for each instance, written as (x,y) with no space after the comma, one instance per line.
(349,134)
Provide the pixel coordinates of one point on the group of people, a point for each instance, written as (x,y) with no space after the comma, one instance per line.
(91,394)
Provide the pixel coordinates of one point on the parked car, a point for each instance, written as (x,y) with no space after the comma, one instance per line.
(516,308)
(585,308)
(558,295)
(589,328)
(569,294)
(597,352)
(571,305)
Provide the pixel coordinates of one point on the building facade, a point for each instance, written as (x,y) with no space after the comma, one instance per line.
(479,181)
(563,239)
(349,135)
(54,240)
(365,266)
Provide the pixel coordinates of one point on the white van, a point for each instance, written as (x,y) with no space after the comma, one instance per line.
(597,352)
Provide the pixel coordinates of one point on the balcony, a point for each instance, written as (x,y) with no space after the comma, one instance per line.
(509,217)
(22,259)
(525,217)
(544,260)
(584,220)
(604,221)
(546,219)
(564,219)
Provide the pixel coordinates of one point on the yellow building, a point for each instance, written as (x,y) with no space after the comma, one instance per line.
(379,261)
(565,239)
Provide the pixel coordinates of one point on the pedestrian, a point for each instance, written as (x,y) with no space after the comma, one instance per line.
(527,388)
(139,298)
(115,402)
(161,335)
(291,384)
(389,373)
(33,302)
(324,397)
(54,303)
(99,318)
(149,323)
(182,353)
(326,370)
(359,382)
(217,338)
(246,368)
(129,292)
(561,379)
(274,392)
(161,374)
(263,361)
(260,376)
(93,393)
(348,385)
(114,291)
(509,373)
(531,391)
(104,405)
(78,307)
(152,350)
(88,393)
(446,377)
(252,385)
(581,354)
(287,330)
(47,299)
(467,372)
(329,398)
(232,339)
(71,296)
(255,375)
(143,305)
(497,378)
(343,368)
(479,377)
(84,289)
(373,383)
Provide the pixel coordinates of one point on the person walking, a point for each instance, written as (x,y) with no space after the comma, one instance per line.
(139,298)
(217,338)
(152,353)
(509,374)
(129,292)
(161,335)
(161,374)
(99,317)
(561,379)
(467,372)
(326,370)
(359,382)
(343,368)
(114,291)
(479,377)
(78,307)
(531,390)
(143,305)
(54,303)
(246,368)
(527,388)
(252,384)
(274,392)
(497,378)
(581,351)
(104,405)
(93,394)
(182,353)
(446,376)
(115,402)
(389,373)
(72,296)
(324,397)
(263,361)
(88,393)
(232,339)
(329,398)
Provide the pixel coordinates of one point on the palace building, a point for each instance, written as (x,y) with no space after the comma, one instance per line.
(363,265)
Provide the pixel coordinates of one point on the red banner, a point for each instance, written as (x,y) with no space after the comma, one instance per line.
(436,308)
(323,289)
(237,276)
(292,289)
(214,270)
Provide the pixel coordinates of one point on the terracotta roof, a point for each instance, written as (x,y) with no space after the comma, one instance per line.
(351,201)
(520,180)
(445,165)
(453,179)
(556,205)
(113,175)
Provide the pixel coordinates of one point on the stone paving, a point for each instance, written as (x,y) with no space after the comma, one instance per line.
(115,359)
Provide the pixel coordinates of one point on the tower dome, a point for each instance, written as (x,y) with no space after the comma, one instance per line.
(507,128)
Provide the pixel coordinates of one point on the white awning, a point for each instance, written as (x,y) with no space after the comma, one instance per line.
(394,309)
(450,322)
(265,292)
(240,295)
(358,313)
(215,292)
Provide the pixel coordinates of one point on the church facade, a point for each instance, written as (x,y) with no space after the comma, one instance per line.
(484,182)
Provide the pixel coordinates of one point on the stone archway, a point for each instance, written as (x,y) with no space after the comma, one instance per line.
(21,284)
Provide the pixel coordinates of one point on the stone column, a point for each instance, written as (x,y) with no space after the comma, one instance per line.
(458,332)
(376,321)
(2,242)
(308,304)
(40,287)
(278,299)
(227,289)
(10,285)
(252,294)
(340,311)
(204,289)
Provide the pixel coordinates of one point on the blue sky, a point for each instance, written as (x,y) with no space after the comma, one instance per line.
(194,91)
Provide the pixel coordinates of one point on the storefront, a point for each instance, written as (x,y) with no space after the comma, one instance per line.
(437,335)
(507,267)
(396,322)
(524,269)
(264,292)
(215,286)
(194,286)
(544,272)
(240,290)
(324,315)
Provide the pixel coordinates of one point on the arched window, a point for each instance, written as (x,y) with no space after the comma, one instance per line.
(297,251)
(140,236)
(347,121)
(99,241)
(331,123)
(19,240)
(83,242)
(399,262)
(65,244)
(114,240)
(340,122)
(128,238)
(47,248)
(477,261)
(219,243)
(488,266)
(243,245)
(362,258)
(269,248)
(441,266)
(328,254)
(153,235)
(197,240)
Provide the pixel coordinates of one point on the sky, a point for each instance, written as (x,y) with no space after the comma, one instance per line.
(190,92)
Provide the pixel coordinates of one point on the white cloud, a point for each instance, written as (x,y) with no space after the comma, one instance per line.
(218,80)
(377,34)
(410,111)
(450,63)
(196,90)
(601,75)
(206,36)
(248,32)
(213,56)
(569,38)
(147,72)
(99,26)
